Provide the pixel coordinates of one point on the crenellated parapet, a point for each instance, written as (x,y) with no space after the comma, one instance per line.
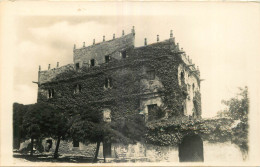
(83,56)
(50,74)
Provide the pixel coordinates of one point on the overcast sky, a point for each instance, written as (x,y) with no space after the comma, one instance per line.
(220,38)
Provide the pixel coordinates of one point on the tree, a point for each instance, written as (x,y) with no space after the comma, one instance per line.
(42,120)
(89,126)
(19,111)
(237,109)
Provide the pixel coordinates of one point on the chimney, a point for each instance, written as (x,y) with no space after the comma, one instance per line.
(83,44)
(114,36)
(133,30)
(145,41)
(93,41)
(49,67)
(104,38)
(123,33)
(171,34)
(39,68)
(177,46)
(57,64)
(198,68)
(74,46)
(157,38)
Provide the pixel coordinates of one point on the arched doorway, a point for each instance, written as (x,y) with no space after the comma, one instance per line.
(191,149)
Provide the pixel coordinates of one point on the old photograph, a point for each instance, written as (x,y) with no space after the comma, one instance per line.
(145,83)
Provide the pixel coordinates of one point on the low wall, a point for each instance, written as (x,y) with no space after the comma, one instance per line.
(213,152)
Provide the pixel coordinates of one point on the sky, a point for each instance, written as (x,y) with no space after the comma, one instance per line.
(222,39)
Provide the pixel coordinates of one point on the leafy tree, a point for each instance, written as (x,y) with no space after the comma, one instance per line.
(18,111)
(237,109)
(89,126)
(42,120)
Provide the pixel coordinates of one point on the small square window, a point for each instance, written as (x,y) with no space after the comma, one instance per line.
(77,66)
(75,143)
(107,59)
(151,75)
(92,62)
(123,53)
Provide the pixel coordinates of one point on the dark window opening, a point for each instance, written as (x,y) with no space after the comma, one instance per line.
(182,110)
(92,62)
(151,111)
(75,143)
(77,66)
(108,83)
(50,93)
(123,53)
(195,111)
(77,88)
(107,59)
(182,78)
(151,75)
(48,145)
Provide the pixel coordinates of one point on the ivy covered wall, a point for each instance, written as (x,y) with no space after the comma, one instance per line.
(127,85)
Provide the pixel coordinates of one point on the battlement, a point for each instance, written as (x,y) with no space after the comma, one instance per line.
(97,51)
(50,74)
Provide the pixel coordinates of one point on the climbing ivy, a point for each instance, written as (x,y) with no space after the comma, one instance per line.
(124,96)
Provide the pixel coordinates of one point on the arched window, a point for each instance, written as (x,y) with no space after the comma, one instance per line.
(108,83)
(50,93)
(77,88)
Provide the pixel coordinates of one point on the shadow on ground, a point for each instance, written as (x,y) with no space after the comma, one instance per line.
(49,158)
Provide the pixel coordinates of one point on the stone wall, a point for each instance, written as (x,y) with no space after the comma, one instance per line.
(100,50)
(192,84)
(49,75)
(224,152)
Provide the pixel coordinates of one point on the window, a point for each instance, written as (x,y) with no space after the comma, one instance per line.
(75,143)
(107,59)
(77,88)
(123,54)
(92,62)
(50,93)
(77,66)
(107,115)
(182,78)
(151,75)
(108,83)
(151,111)
(151,107)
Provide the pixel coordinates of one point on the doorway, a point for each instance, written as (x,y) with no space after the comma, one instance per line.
(191,149)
